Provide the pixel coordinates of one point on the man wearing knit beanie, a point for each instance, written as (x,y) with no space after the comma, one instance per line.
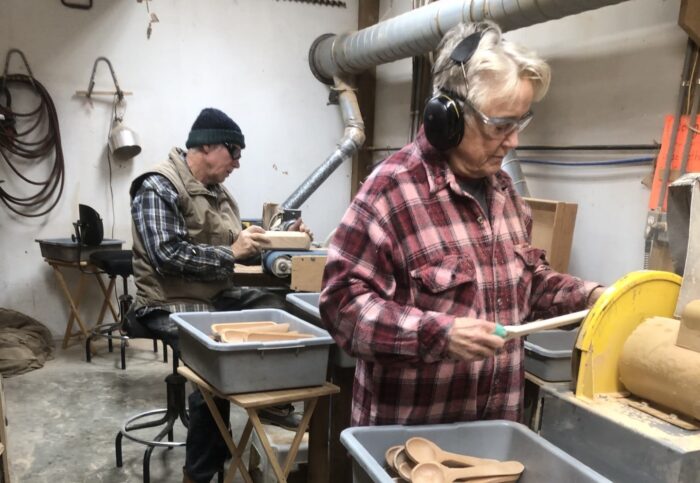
(187,236)
(214,127)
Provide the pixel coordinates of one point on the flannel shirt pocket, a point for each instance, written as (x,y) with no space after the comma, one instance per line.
(450,272)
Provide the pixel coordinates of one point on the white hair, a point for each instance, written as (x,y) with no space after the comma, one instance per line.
(495,69)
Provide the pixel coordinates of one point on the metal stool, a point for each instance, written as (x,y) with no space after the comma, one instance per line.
(176,406)
(116,263)
(175,409)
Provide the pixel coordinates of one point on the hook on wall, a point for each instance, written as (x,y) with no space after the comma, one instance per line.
(90,90)
(7,67)
(123,142)
(78,5)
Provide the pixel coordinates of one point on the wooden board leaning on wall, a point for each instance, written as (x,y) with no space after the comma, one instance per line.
(553,225)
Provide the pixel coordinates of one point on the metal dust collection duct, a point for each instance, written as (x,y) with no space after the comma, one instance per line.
(417,32)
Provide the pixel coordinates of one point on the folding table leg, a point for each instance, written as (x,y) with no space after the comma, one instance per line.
(236,452)
(291,456)
(74,315)
(309,407)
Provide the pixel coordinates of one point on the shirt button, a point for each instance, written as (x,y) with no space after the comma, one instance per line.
(480,220)
(499,302)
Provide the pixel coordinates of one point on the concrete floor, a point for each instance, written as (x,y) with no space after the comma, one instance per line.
(63,418)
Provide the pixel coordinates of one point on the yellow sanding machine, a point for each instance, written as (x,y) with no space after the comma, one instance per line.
(632,412)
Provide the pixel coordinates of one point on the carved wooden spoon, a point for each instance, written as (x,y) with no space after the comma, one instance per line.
(403,464)
(437,473)
(390,454)
(423,450)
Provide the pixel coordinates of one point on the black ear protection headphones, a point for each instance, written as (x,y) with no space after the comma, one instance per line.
(443,118)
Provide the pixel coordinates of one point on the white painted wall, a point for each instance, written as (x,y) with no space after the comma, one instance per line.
(246,57)
(615,75)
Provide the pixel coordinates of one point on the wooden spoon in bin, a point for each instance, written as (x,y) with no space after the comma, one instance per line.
(437,473)
(403,464)
(245,336)
(422,450)
(390,454)
(268,325)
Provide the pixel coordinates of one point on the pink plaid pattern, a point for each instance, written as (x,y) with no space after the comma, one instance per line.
(412,252)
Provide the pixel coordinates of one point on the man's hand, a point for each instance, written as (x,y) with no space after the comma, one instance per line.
(248,242)
(473,339)
(300,226)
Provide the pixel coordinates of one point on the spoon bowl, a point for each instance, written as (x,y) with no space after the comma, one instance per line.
(422,450)
(403,464)
(390,454)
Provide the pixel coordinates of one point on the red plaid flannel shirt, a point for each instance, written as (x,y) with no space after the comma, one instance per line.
(412,252)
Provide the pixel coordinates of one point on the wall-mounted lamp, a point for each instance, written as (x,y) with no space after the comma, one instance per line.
(123,142)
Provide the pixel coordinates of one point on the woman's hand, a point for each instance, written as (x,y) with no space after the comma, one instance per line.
(594,296)
(473,339)
(248,242)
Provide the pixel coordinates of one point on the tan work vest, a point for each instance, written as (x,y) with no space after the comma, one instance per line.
(212,218)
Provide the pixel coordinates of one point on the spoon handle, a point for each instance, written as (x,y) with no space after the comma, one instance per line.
(464,459)
(505,468)
(495,479)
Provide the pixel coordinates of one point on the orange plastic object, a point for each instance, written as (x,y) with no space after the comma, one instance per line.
(693,158)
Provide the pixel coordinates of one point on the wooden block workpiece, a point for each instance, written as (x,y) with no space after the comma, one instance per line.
(286,240)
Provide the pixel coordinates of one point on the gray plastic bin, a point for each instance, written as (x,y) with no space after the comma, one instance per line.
(307,303)
(252,366)
(502,440)
(548,354)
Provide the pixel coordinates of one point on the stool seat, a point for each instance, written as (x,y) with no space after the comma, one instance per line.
(113,262)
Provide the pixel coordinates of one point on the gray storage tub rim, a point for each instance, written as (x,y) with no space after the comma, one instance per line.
(377,473)
(308,302)
(536,342)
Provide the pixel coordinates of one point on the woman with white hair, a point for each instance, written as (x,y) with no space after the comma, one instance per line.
(434,251)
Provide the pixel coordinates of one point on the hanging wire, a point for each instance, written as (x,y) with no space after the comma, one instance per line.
(115,118)
(20,141)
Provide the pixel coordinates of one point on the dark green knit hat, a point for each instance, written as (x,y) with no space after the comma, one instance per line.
(214,127)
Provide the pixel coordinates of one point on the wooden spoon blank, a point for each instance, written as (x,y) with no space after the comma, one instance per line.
(219,328)
(273,336)
(267,328)
(246,336)
(403,464)
(494,479)
(422,450)
(513,331)
(437,473)
(389,456)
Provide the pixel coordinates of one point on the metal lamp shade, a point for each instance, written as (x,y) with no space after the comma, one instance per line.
(123,142)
